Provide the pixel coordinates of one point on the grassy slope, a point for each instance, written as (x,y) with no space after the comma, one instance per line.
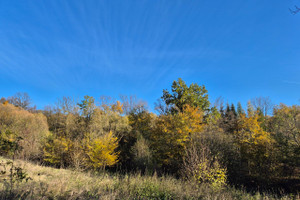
(51,183)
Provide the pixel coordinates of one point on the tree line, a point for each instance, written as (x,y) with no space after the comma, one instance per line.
(187,137)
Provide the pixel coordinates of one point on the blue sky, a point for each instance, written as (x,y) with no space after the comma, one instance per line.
(237,49)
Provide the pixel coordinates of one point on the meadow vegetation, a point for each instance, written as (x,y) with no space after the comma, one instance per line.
(53,183)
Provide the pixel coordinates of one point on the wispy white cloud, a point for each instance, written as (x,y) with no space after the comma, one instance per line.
(291,82)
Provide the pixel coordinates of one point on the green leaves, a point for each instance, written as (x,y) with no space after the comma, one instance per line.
(87,106)
(193,95)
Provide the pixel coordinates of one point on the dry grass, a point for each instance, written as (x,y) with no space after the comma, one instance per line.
(51,183)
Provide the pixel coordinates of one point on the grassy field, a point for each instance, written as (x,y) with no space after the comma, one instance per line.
(51,183)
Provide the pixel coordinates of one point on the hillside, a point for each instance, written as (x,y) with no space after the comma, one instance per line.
(51,183)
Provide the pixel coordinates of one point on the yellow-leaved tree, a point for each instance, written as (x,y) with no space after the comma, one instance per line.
(254,144)
(172,133)
(117,107)
(57,150)
(101,152)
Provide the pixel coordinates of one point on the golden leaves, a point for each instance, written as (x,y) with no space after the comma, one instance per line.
(101,152)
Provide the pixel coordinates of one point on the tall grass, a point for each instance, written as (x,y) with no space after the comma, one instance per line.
(51,183)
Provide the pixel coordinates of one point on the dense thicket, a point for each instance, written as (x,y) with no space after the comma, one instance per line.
(188,138)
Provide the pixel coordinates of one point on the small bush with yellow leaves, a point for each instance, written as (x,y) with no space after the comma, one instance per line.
(212,174)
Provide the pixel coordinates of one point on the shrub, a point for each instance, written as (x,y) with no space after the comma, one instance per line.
(200,166)
(211,173)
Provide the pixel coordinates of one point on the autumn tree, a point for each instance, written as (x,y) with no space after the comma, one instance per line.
(141,121)
(254,144)
(75,126)
(101,152)
(285,124)
(57,150)
(92,124)
(56,120)
(172,133)
(138,145)
(32,127)
(109,118)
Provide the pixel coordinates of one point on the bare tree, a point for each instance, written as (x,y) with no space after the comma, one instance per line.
(106,102)
(219,103)
(67,105)
(20,99)
(131,103)
(264,104)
